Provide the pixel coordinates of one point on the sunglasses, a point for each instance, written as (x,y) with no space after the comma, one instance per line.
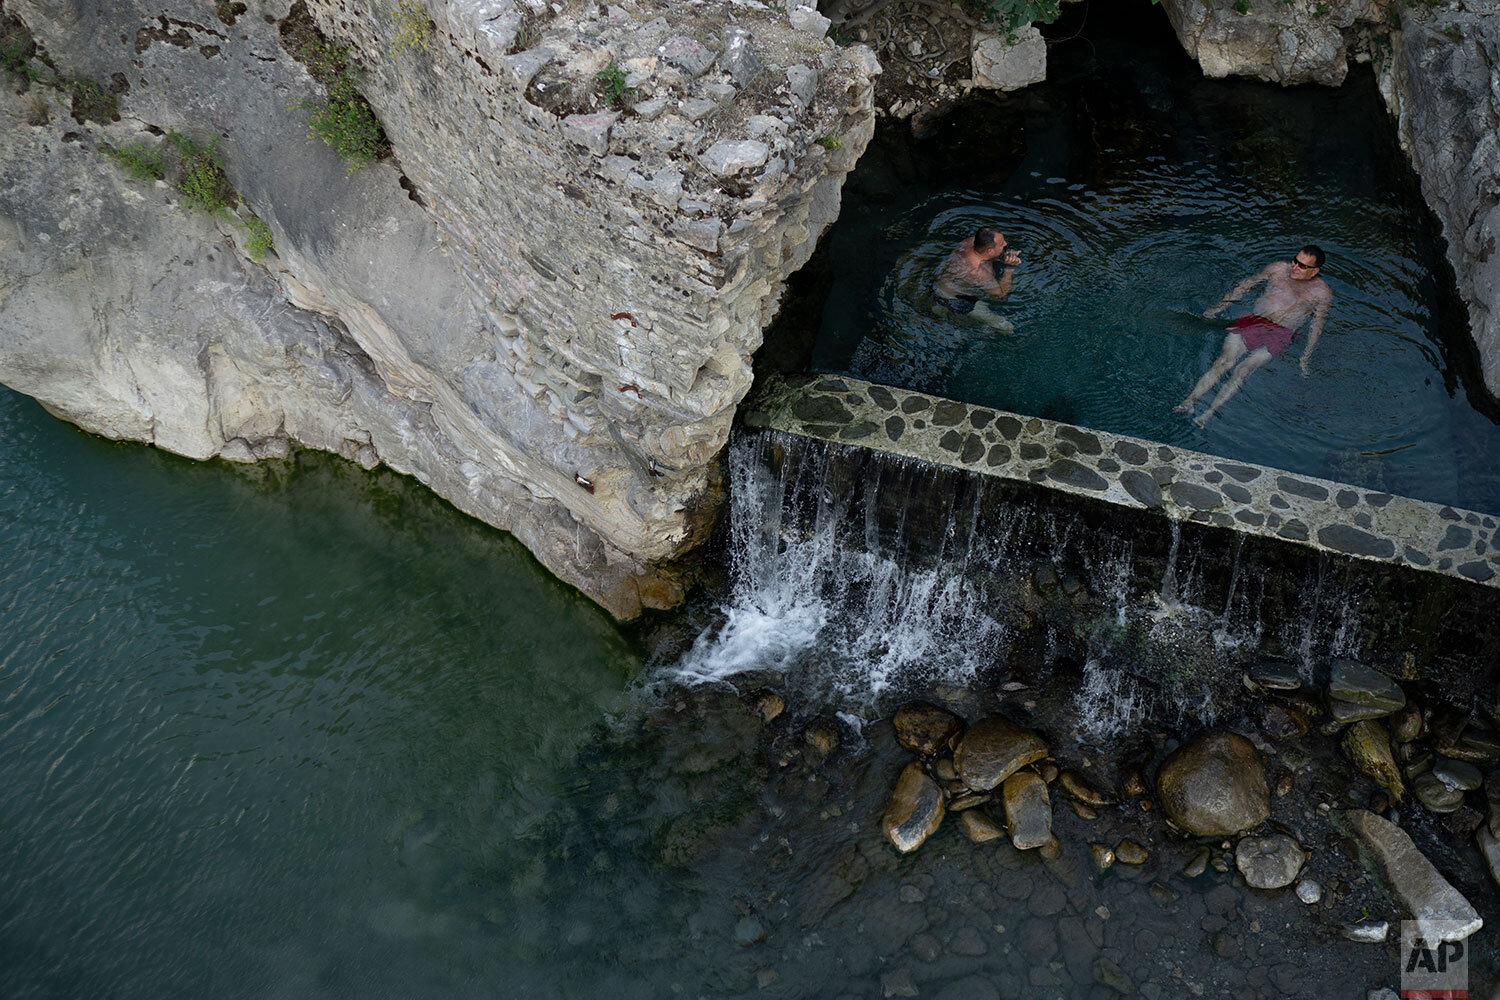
(1304,267)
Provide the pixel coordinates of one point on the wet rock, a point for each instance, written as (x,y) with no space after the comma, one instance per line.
(1276,676)
(1353,682)
(1441,911)
(943,769)
(1048,771)
(1103,856)
(978,827)
(1075,785)
(749,931)
(969,943)
(822,738)
(1458,774)
(963,799)
(1492,802)
(1309,891)
(1082,811)
(1109,974)
(1369,747)
(769,706)
(1133,782)
(1463,821)
(1269,862)
(1435,794)
(1282,722)
(1128,852)
(926,948)
(1198,865)
(926,729)
(993,749)
(1347,711)
(1028,811)
(1367,931)
(1489,847)
(1406,725)
(898,984)
(915,810)
(1284,786)
(1214,785)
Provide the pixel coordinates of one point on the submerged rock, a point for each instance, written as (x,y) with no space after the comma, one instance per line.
(1081,790)
(926,729)
(1214,785)
(1369,747)
(915,810)
(978,827)
(1282,722)
(1458,774)
(1269,862)
(1435,794)
(1130,853)
(1406,725)
(1103,855)
(1028,810)
(993,749)
(1441,910)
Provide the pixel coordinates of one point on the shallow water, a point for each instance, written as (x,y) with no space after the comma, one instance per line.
(1139,193)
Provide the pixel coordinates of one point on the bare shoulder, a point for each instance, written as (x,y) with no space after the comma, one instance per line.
(1322,291)
(1278,269)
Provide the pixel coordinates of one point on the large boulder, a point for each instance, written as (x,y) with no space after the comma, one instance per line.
(1281,42)
(998,63)
(926,729)
(993,749)
(915,810)
(1214,785)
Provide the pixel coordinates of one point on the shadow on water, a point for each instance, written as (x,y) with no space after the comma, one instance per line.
(1138,193)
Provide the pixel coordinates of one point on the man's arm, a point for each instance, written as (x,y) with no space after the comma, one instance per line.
(1001,288)
(1238,290)
(1320,313)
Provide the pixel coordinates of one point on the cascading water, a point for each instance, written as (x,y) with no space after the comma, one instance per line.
(857,575)
(820,598)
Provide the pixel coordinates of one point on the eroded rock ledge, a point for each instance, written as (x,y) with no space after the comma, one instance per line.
(545,312)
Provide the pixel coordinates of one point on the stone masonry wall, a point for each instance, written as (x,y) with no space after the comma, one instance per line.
(544,307)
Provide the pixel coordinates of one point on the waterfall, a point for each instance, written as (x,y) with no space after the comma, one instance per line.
(825,593)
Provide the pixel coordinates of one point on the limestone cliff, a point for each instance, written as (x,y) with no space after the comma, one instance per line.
(543,305)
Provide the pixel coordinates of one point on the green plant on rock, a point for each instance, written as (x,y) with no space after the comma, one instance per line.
(200,175)
(1242,7)
(92,102)
(831,142)
(138,159)
(1007,15)
(258,238)
(612,83)
(1454,31)
(413,27)
(16,49)
(345,122)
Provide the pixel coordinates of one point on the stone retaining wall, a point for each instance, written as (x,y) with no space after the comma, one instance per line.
(1138,474)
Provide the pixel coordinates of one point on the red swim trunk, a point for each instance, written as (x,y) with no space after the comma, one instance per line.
(1257,331)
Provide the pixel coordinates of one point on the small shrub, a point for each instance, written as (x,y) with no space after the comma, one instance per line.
(831,142)
(347,124)
(1454,31)
(413,27)
(38,111)
(612,82)
(258,238)
(1242,7)
(200,176)
(527,35)
(139,160)
(16,49)
(92,102)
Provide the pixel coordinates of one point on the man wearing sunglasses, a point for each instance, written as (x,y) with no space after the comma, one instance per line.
(1293,293)
(969,274)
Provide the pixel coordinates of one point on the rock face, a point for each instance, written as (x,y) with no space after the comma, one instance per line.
(992,750)
(1442,912)
(999,64)
(1280,42)
(915,810)
(543,307)
(1214,785)
(1439,85)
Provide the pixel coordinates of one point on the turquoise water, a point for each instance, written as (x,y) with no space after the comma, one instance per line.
(270,734)
(1139,193)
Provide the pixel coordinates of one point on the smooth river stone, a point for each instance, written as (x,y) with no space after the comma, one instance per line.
(915,810)
(1195,496)
(1269,862)
(1072,473)
(1441,911)
(1214,785)
(1436,794)
(1141,486)
(1297,487)
(925,728)
(978,827)
(1343,538)
(1353,682)
(993,749)
(1028,810)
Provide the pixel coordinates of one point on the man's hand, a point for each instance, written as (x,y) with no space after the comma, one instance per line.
(1011,258)
(1213,311)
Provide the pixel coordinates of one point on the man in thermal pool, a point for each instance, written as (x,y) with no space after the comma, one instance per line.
(968,275)
(1293,293)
